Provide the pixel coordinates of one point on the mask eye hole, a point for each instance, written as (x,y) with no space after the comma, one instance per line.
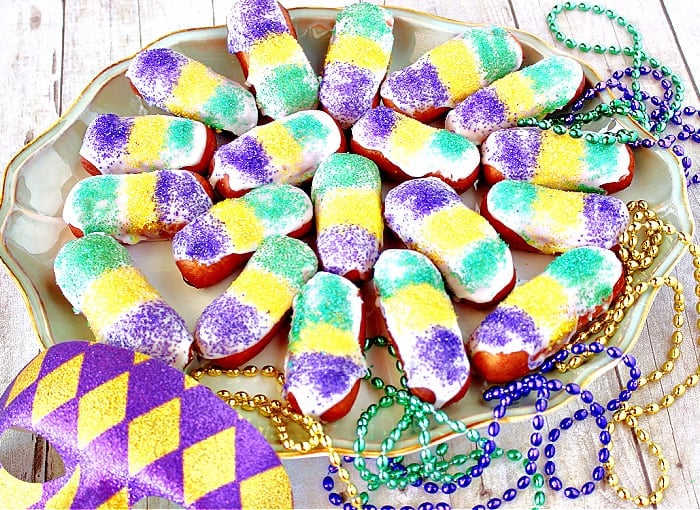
(29,457)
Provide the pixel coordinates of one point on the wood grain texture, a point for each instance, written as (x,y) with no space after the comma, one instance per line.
(57,47)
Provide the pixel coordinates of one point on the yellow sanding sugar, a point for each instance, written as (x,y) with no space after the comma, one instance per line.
(351,206)
(194,88)
(546,301)
(322,337)
(274,50)
(416,308)
(242,225)
(140,203)
(359,51)
(457,68)
(557,211)
(280,146)
(407,139)
(115,292)
(147,140)
(452,228)
(515,90)
(267,292)
(559,153)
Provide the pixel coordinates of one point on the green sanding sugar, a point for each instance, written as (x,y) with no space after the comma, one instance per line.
(324,299)
(450,145)
(601,158)
(397,269)
(278,206)
(494,50)
(289,87)
(287,257)
(306,129)
(514,196)
(365,20)
(480,266)
(580,268)
(550,78)
(180,134)
(95,198)
(83,260)
(345,170)
(227,102)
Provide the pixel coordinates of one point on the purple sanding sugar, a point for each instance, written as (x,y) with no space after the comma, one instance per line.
(482,107)
(343,248)
(152,328)
(246,156)
(322,373)
(517,152)
(109,134)
(205,240)
(442,352)
(249,21)
(378,122)
(228,326)
(347,92)
(417,86)
(180,197)
(421,197)
(605,218)
(507,324)
(160,68)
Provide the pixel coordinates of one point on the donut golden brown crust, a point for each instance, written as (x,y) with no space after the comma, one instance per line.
(516,336)
(223,189)
(201,275)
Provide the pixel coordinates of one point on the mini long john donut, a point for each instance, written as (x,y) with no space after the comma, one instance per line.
(97,277)
(137,207)
(217,242)
(539,316)
(123,145)
(173,82)
(562,162)
(356,62)
(535,218)
(429,217)
(405,148)
(448,73)
(422,325)
(347,195)
(261,35)
(239,323)
(534,91)
(325,364)
(287,150)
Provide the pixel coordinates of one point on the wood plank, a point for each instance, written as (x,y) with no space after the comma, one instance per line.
(31,65)
(113,34)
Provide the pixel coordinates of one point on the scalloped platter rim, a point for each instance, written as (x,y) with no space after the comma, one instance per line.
(39,177)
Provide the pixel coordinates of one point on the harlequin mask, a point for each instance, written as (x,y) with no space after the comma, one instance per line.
(128,426)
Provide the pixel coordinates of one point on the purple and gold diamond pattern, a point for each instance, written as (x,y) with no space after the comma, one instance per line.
(128,426)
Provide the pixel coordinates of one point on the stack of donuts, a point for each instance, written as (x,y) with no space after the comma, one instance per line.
(334,206)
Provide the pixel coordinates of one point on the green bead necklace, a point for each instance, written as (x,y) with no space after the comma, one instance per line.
(632,104)
(435,466)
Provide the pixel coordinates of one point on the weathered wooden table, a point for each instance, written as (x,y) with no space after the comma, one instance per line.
(52,48)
